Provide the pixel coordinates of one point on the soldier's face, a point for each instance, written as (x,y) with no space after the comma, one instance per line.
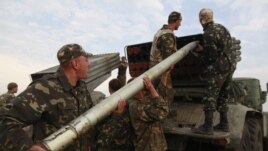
(178,24)
(201,21)
(82,67)
(14,90)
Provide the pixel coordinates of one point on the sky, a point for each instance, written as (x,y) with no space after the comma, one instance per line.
(33,31)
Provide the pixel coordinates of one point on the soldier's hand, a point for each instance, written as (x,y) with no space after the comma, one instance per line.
(122,67)
(147,83)
(37,148)
(198,48)
(169,70)
(149,86)
(166,74)
(123,60)
(121,106)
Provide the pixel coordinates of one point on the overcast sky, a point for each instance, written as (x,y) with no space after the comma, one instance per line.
(32,31)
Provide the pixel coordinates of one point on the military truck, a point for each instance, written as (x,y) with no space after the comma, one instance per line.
(247,122)
(248,126)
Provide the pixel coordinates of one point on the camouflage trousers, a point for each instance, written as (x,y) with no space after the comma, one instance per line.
(217,91)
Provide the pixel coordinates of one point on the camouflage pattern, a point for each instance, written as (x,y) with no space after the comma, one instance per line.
(48,104)
(6,99)
(167,92)
(173,16)
(70,51)
(220,63)
(146,117)
(116,133)
(122,72)
(164,44)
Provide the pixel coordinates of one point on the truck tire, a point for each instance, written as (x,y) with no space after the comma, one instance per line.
(252,135)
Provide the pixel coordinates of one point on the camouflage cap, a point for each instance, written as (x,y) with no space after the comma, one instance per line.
(205,15)
(173,16)
(12,85)
(71,51)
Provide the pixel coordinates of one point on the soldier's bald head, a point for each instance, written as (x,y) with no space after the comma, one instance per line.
(205,16)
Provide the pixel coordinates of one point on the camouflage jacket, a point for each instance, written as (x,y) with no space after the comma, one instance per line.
(146,117)
(116,133)
(164,44)
(217,47)
(6,98)
(48,104)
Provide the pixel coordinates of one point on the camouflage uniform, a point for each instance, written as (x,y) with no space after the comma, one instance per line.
(220,66)
(48,104)
(164,44)
(220,62)
(122,73)
(146,118)
(115,133)
(6,98)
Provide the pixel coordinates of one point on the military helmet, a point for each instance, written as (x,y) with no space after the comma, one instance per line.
(205,15)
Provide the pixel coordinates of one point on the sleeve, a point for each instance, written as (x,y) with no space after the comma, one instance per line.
(24,111)
(166,44)
(154,110)
(1,101)
(167,91)
(122,73)
(210,46)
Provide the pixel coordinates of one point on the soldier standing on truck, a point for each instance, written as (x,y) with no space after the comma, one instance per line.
(48,104)
(5,98)
(164,42)
(219,61)
(115,132)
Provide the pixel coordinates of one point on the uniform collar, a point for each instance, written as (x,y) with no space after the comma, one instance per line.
(63,80)
(165,26)
(207,25)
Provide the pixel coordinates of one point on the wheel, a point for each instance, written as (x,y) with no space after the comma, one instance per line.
(252,135)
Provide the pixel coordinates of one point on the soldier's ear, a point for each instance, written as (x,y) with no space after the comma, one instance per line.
(74,63)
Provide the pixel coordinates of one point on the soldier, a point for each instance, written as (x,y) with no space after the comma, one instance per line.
(220,68)
(5,98)
(48,104)
(164,42)
(115,132)
(147,111)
